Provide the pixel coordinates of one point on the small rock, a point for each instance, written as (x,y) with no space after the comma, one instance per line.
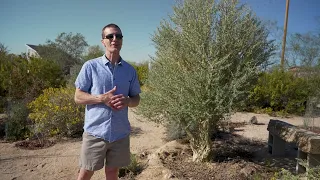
(41,165)
(167,174)
(30,170)
(253,120)
(143,155)
(25,165)
(247,171)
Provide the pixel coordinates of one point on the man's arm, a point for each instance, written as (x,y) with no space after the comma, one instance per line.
(134,101)
(81,97)
(119,101)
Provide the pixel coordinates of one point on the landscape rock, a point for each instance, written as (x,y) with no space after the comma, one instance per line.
(254,120)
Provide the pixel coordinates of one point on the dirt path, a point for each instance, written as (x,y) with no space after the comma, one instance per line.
(61,160)
(260,132)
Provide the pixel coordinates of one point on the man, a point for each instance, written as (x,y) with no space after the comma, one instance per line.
(107,86)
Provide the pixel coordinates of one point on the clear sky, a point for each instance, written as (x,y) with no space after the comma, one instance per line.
(34,21)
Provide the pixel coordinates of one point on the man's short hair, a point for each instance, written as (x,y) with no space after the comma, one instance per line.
(111,25)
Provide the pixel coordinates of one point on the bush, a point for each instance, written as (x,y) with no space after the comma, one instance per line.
(25,79)
(74,71)
(142,71)
(133,169)
(17,123)
(207,56)
(281,91)
(311,174)
(174,131)
(55,113)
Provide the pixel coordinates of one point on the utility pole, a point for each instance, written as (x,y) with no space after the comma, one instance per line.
(284,34)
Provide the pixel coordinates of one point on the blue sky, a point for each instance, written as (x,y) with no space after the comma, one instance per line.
(35,21)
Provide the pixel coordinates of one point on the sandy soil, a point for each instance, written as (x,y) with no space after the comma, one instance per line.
(61,160)
(259,132)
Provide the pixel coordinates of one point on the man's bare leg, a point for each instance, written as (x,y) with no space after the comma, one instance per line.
(85,174)
(111,173)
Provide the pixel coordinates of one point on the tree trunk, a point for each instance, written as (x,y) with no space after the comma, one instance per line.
(200,142)
(202,153)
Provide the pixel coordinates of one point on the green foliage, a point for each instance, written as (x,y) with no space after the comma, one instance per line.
(57,55)
(25,79)
(93,52)
(280,91)
(5,60)
(17,123)
(133,169)
(72,44)
(74,71)
(174,131)
(66,50)
(55,113)
(207,58)
(304,48)
(284,175)
(142,71)
(313,173)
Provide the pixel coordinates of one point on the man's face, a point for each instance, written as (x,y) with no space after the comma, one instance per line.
(112,39)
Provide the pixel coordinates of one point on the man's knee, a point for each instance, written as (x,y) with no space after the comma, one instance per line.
(85,174)
(112,170)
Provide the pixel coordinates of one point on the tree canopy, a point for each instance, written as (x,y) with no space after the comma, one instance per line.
(208,55)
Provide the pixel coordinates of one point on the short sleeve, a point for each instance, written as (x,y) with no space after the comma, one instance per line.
(134,85)
(84,79)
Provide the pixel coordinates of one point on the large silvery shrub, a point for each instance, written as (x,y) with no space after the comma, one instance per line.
(208,55)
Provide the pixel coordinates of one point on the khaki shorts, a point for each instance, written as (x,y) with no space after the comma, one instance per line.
(96,152)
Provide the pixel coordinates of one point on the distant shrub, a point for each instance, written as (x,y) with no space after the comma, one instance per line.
(74,71)
(55,113)
(24,79)
(142,71)
(17,122)
(280,91)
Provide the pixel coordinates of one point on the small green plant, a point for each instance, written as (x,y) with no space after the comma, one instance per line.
(133,169)
(311,174)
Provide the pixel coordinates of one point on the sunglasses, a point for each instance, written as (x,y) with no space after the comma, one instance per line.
(110,36)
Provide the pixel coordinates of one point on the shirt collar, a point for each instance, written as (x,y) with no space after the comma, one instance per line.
(106,61)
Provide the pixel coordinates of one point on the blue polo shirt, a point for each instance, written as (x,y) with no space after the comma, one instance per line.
(98,76)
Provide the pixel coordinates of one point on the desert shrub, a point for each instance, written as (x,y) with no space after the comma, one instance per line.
(281,91)
(25,79)
(133,169)
(311,174)
(174,131)
(74,71)
(3,104)
(142,71)
(17,122)
(208,54)
(55,113)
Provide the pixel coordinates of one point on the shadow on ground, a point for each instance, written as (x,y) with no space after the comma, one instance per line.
(236,157)
(135,131)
